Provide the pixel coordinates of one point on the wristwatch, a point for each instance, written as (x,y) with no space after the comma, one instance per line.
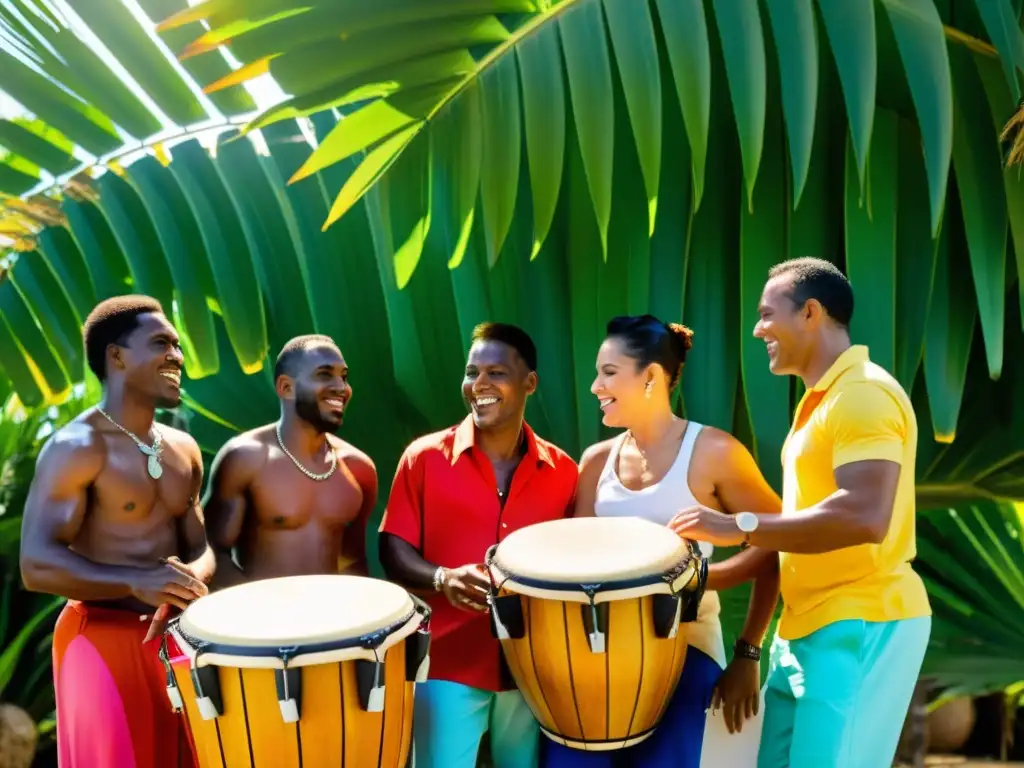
(744,650)
(747,522)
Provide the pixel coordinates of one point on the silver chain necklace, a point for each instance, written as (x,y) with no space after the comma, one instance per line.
(312,475)
(153,464)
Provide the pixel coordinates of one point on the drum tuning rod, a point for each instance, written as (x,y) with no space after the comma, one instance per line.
(595,634)
(173,693)
(289,686)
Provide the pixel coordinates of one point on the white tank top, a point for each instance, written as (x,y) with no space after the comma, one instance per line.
(660,503)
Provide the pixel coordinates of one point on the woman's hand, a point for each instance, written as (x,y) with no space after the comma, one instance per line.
(738,692)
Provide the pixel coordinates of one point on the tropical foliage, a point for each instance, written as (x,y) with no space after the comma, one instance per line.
(661,166)
(26,620)
(435,164)
(1015,131)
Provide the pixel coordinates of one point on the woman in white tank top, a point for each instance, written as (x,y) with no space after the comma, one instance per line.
(658,466)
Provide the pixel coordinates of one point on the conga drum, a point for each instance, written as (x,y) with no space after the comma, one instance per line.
(592,615)
(300,671)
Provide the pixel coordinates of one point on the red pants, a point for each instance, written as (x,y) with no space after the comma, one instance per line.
(112,705)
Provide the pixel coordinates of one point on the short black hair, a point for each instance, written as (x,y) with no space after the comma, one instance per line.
(112,322)
(293,351)
(512,335)
(648,340)
(821,280)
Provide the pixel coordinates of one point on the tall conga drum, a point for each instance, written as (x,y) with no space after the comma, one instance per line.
(301,671)
(592,616)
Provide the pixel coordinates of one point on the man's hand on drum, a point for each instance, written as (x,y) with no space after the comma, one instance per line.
(466,587)
(703,524)
(738,693)
(170,582)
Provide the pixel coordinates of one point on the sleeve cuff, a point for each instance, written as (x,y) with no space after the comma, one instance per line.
(876,450)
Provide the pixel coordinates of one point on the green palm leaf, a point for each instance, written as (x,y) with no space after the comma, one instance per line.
(470,160)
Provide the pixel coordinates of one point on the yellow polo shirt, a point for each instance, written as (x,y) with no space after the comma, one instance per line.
(856,412)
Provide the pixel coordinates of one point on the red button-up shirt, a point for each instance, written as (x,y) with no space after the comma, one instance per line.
(444,501)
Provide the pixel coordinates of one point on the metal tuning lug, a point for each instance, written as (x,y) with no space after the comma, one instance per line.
(173,692)
(370,679)
(206,681)
(595,620)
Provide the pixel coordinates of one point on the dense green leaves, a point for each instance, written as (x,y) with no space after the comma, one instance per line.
(636,54)
(851,35)
(588,68)
(976,606)
(32,141)
(983,200)
(919,36)
(482,129)
(684,26)
(796,43)
(739,28)
(544,109)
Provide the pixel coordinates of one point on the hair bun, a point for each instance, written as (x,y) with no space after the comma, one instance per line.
(683,334)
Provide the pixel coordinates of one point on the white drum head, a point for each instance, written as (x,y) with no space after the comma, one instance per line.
(296,610)
(582,549)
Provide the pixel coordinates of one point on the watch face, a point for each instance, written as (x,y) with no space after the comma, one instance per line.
(746,521)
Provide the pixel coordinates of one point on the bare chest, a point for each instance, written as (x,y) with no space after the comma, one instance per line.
(126,493)
(284,497)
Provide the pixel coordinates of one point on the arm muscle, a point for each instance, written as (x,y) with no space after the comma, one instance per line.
(225,506)
(195,548)
(55,511)
(353,550)
(591,464)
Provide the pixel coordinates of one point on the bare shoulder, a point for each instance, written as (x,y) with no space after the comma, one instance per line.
(243,454)
(717,449)
(596,455)
(180,440)
(77,445)
(357,461)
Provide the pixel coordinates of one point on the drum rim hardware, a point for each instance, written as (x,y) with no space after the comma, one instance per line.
(370,641)
(694,561)
(686,599)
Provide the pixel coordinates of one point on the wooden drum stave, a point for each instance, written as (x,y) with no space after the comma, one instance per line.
(300,671)
(591,614)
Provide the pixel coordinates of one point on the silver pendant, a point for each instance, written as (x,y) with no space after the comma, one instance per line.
(153,465)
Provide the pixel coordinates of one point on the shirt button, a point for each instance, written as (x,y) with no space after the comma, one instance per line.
(504,525)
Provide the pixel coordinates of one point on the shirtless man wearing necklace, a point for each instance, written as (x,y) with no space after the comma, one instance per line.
(113,523)
(290,498)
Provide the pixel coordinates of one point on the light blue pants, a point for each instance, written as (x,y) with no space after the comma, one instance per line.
(450,720)
(838,697)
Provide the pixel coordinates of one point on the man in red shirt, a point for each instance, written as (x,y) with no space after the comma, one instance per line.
(456,493)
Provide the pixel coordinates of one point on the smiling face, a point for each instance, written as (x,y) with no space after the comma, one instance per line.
(620,385)
(496,384)
(150,361)
(786,329)
(319,387)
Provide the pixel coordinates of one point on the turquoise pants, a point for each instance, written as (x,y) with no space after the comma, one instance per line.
(838,697)
(450,720)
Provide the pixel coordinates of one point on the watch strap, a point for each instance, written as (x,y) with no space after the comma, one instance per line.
(744,650)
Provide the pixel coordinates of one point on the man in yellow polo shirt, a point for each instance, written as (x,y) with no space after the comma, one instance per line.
(856,617)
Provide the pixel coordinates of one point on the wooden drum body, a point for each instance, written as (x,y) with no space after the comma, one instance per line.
(301,671)
(591,614)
